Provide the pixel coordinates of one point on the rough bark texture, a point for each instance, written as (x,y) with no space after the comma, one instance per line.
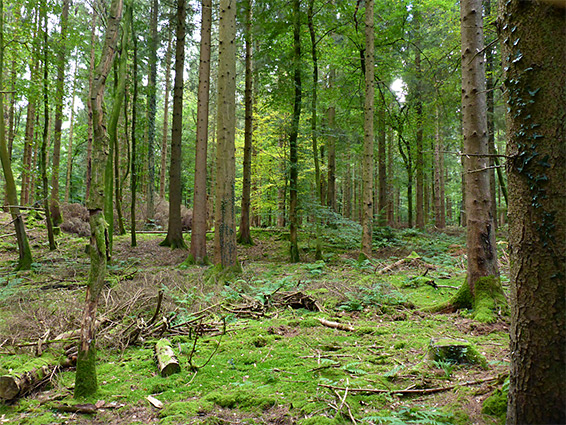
(134,160)
(151,106)
(381,167)
(174,238)
(24,251)
(533,37)
(439,203)
(367,192)
(293,151)
(165,137)
(244,236)
(225,249)
(420,210)
(481,250)
(59,87)
(85,380)
(200,211)
(71,134)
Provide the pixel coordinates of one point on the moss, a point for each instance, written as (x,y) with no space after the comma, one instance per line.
(86,383)
(219,274)
(455,351)
(241,398)
(319,420)
(186,408)
(489,296)
(496,404)
(191,261)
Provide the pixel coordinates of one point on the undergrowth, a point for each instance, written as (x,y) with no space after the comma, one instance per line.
(283,366)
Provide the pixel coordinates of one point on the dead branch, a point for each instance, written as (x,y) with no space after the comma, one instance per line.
(336,325)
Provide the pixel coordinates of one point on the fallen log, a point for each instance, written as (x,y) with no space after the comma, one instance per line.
(29,377)
(336,325)
(166,360)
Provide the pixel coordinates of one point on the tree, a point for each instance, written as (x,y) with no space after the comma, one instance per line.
(293,152)
(85,380)
(534,36)
(482,289)
(244,235)
(225,252)
(174,238)
(165,138)
(134,159)
(25,258)
(198,233)
(151,106)
(367,191)
(59,89)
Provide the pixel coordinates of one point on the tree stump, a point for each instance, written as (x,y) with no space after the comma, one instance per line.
(166,360)
(454,350)
(24,380)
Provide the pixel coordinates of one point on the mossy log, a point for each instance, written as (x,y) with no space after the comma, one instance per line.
(31,375)
(166,360)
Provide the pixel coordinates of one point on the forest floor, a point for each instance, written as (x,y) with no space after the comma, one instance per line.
(254,350)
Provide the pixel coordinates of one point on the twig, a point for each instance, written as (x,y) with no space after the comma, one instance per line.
(491,167)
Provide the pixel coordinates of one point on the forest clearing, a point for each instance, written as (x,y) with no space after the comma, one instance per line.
(276,363)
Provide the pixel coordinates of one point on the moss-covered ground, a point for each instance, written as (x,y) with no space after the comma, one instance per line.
(279,366)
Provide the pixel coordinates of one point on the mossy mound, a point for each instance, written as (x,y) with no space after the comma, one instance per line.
(455,350)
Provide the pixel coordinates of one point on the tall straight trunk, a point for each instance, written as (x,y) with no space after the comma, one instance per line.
(282,188)
(244,236)
(24,252)
(165,138)
(198,253)
(490,117)
(151,108)
(293,149)
(44,140)
(225,247)
(174,238)
(85,379)
(439,203)
(534,37)
(134,160)
(59,88)
(482,289)
(112,182)
(331,153)
(381,167)
(347,197)
(367,178)
(89,101)
(71,135)
(390,188)
(11,109)
(420,216)
(314,102)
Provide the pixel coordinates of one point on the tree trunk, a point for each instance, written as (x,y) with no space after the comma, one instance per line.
(534,36)
(44,141)
(165,138)
(134,159)
(151,106)
(381,167)
(89,101)
(24,251)
(420,216)
(59,88)
(439,206)
(367,191)
(244,236)
(174,238)
(293,150)
(85,380)
(482,289)
(71,134)
(225,249)
(200,207)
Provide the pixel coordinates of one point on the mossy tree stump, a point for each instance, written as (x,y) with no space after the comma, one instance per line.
(454,350)
(166,360)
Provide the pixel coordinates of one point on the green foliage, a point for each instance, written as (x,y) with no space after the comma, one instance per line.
(447,366)
(412,415)
(496,404)
(378,294)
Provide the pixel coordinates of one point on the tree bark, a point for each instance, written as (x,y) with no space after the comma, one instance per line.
(534,36)
(151,106)
(439,203)
(59,88)
(24,251)
(134,159)
(225,248)
(71,134)
(85,380)
(381,167)
(420,211)
(293,149)
(244,235)
(367,192)
(174,238)
(198,253)
(165,138)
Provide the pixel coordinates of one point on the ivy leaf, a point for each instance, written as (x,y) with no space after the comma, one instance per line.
(533,92)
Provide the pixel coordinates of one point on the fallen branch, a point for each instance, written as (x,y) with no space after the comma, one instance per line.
(409,390)
(166,360)
(336,325)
